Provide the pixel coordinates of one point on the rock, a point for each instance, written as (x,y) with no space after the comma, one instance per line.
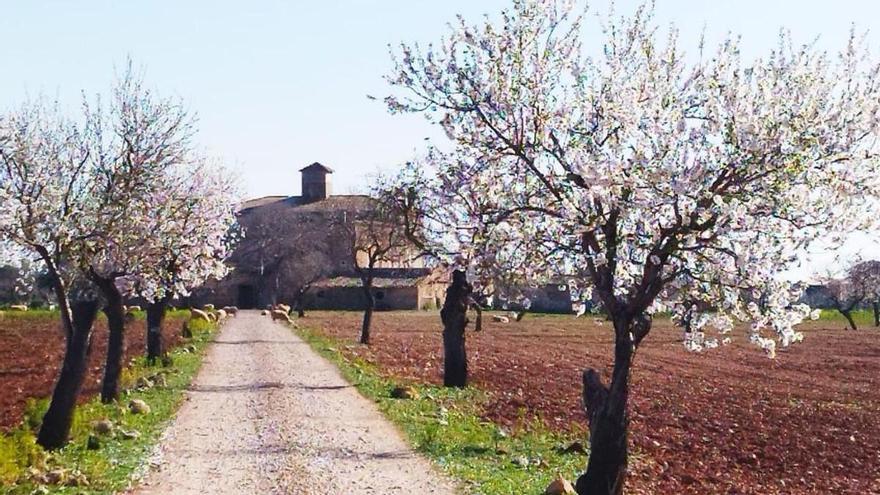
(77,478)
(521,461)
(408,392)
(560,486)
(18,307)
(500,319)
(93,443)
(130,434)
(161,381)
(138,406)
(264,312)
(56,477)
(144,382)
(103,427)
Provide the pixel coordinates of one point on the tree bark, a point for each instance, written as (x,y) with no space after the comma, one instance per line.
(454,318)
(606,409)
(155,318)
(848,315)
(370,305)
(115,338)
(58,418)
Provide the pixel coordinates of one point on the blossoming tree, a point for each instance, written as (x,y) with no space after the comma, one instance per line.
(45,187)
(138,142)
(191,237)
(645,176)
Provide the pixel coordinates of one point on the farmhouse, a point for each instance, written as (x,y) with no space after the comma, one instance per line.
(300,250)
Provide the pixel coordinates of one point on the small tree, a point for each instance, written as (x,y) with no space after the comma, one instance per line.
(643,178)
(375,238)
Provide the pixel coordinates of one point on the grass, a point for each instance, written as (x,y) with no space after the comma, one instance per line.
(445,425)
(863,318)
(111,467)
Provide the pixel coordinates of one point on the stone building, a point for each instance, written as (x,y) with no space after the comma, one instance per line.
(299,250)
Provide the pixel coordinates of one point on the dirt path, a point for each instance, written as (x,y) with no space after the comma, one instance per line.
(268,415)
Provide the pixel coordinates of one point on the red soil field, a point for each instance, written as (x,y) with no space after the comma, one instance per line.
(31,350)
(728,420)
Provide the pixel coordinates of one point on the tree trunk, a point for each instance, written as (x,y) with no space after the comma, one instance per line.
(299,303)
(155,318)
(606,409)
(115,339)
(58,418)
(876,305)
(848,315)
(454,318)
(368,312)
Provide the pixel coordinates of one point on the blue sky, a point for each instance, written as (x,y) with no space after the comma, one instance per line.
(278,85)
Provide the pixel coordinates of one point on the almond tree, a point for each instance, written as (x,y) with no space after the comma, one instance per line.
(45,187)
(191,237)
(644,177)
(141,139)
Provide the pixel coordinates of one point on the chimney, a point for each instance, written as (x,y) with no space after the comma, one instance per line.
(316,182)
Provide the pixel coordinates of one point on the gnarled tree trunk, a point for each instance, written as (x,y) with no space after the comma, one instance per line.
(58,418)
(848,315)
(115,338)
(454,318)
(155,318)
(606,408)
(370,305)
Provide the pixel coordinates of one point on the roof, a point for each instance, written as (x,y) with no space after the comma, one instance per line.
(346,202)
(388,278)
(317,166)
(265,200)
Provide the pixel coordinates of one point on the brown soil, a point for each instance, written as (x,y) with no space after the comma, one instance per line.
(727,421)
(31,351)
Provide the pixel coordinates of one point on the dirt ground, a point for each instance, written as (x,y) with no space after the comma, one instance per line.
(31,351)
(727,421)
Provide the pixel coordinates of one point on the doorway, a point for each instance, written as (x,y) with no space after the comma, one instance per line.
(247,297)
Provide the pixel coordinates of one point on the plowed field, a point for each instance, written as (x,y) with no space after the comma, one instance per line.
(31,350)
(726,421)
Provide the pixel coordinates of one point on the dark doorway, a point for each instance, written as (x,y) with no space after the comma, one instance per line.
(247,297)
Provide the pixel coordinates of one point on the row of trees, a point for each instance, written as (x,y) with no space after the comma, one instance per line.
(112,204)
(656,180)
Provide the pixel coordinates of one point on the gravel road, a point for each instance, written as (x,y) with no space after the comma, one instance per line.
(268,415)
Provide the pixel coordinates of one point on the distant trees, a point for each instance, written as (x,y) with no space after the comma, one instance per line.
(81,195)
(640,176)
